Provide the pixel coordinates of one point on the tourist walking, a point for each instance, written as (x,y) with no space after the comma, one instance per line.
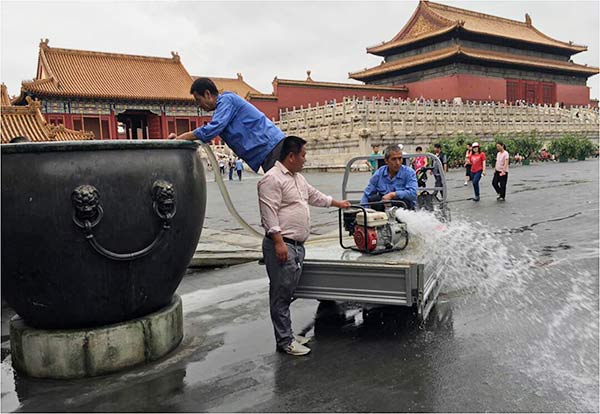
(283,197)
(501,171)
(231,165)
(239,168)
(477,159)
(247,131)
(468,164)
(437,150)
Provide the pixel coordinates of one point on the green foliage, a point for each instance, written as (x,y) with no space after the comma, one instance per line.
(490,151)
(570,146)
(526,144)
(584,148)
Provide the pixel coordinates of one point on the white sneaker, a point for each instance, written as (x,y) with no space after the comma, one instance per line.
(296,349)
(302,340)
(466,183)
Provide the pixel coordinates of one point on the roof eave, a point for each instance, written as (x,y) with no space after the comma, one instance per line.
(381,50)
(103,97)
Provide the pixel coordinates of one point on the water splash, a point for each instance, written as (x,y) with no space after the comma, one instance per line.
(469,255)
(544,301)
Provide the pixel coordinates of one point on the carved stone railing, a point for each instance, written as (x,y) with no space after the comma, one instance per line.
(339,131)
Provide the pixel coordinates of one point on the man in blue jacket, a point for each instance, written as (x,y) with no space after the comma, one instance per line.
(392,182)
(246,130)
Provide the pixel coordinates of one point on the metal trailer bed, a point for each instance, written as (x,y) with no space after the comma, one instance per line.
(333,273)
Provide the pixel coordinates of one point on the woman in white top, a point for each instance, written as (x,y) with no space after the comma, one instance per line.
(501,171)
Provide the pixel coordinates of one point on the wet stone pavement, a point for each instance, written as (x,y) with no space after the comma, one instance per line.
(515,328)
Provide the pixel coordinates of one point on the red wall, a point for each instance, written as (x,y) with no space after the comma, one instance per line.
(289,96)
(481,88)
(468,87)
(268,107)
(572,94)
(437,88)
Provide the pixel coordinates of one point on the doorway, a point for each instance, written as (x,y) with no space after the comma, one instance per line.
(135,123)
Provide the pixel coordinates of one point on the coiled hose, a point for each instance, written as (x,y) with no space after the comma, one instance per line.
(227,199)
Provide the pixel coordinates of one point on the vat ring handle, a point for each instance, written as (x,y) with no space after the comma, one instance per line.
(88,213)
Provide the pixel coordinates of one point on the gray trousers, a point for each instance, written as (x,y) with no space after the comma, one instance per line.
(283,278)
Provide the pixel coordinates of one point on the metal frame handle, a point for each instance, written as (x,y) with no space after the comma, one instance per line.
(87,214)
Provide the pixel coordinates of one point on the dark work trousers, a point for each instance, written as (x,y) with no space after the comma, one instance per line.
(272,157)
(283,279)
(475,177)
(231,173)
(438,183)
(499,183)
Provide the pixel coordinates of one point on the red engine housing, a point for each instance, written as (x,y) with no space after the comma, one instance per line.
(359,238)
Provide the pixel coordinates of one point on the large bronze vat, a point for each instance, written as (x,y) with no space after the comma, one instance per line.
(99,232)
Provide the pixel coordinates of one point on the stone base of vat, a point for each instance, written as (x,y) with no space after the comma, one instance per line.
(77,353)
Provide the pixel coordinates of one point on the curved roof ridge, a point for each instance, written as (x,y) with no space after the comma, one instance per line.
(469,12)
(569,44)
(432,6)
(43,60)
(4,98)
(174,57)
(37,82)
(400,42)
(421,9)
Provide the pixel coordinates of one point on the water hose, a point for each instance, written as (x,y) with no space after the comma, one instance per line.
(225,193)
(227,199)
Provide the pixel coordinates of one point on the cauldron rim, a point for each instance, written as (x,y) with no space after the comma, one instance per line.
(98,145)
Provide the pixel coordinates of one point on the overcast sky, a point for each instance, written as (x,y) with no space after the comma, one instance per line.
(259,39)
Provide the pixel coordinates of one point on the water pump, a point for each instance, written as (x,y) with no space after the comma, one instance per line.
(375,232)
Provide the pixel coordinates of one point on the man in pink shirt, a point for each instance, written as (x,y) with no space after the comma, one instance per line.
(284,197)
(501,171)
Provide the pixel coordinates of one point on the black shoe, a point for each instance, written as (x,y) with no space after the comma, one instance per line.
(476,199)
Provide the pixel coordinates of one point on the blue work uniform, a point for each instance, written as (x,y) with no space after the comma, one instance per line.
(247,131)
(404,184)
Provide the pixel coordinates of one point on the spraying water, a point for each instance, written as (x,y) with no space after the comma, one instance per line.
(545,309)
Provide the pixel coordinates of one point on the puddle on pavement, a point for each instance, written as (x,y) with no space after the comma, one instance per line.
(530,227)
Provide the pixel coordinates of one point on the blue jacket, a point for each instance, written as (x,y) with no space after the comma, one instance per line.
(404,184)
(247,131)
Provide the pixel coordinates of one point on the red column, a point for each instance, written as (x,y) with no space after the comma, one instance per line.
(112,125)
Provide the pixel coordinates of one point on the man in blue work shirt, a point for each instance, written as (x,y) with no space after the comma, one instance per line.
(247,131)
(392,182)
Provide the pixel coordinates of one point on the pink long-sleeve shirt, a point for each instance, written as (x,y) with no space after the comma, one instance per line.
(283,199)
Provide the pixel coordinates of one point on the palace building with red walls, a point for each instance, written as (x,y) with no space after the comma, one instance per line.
(445,52)
(113,95)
